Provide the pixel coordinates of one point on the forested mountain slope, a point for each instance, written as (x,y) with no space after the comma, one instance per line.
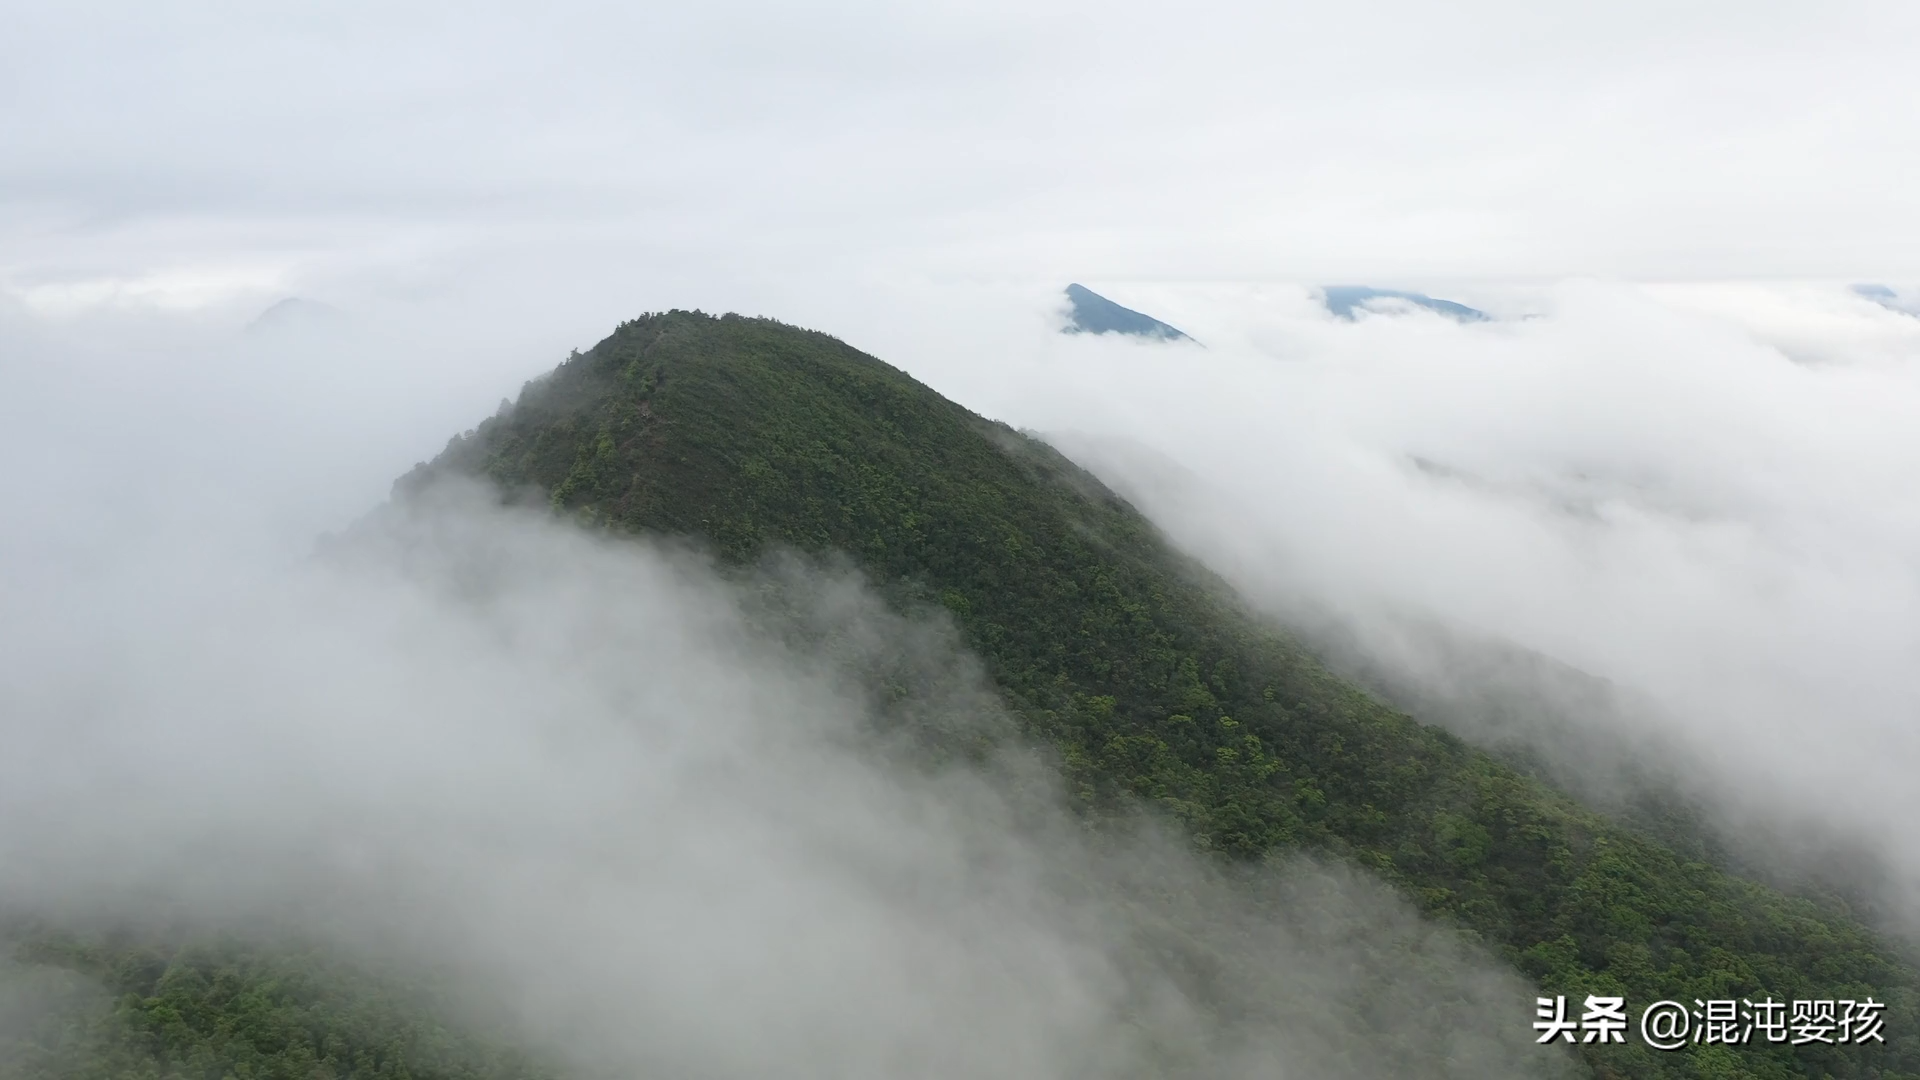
(1148,679)
(200,1006)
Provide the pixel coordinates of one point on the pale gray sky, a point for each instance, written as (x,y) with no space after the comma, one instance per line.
(185,153)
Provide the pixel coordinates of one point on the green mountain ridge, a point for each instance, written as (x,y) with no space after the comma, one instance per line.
(1148,680)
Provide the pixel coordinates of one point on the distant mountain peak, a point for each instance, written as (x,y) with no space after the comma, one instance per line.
(1343,300)
(1888,297)
(1092,313)
(296,313)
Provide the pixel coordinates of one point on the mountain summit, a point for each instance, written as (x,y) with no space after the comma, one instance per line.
(1888,297)
(1345,300)
(1091,313)
(297,315)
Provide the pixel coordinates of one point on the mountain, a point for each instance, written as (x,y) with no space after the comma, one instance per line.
(1887,298)
(1091,313)
(214,1008)
(297,315)
(1149,681)
(1141,670)
(1342,300)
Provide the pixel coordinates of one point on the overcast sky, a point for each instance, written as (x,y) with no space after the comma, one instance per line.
(187,153)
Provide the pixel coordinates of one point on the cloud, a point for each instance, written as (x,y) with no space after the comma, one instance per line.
(601,150)
(1702,495)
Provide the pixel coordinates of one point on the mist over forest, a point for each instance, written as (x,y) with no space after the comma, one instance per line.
(688,543)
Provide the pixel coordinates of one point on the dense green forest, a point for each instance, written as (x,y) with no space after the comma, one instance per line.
(105,1006)
(1141,673)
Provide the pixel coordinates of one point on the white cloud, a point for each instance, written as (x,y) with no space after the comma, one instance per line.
(1675,501)
(640,833)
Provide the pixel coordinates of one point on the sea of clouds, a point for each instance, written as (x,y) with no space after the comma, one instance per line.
(1703,496)
(1635,530)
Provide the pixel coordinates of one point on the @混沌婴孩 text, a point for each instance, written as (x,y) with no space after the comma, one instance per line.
(1670,1025)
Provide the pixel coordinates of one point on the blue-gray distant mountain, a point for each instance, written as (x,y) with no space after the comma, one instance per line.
(297,316)
(1095,314)
(1887,298)
(1343,299)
